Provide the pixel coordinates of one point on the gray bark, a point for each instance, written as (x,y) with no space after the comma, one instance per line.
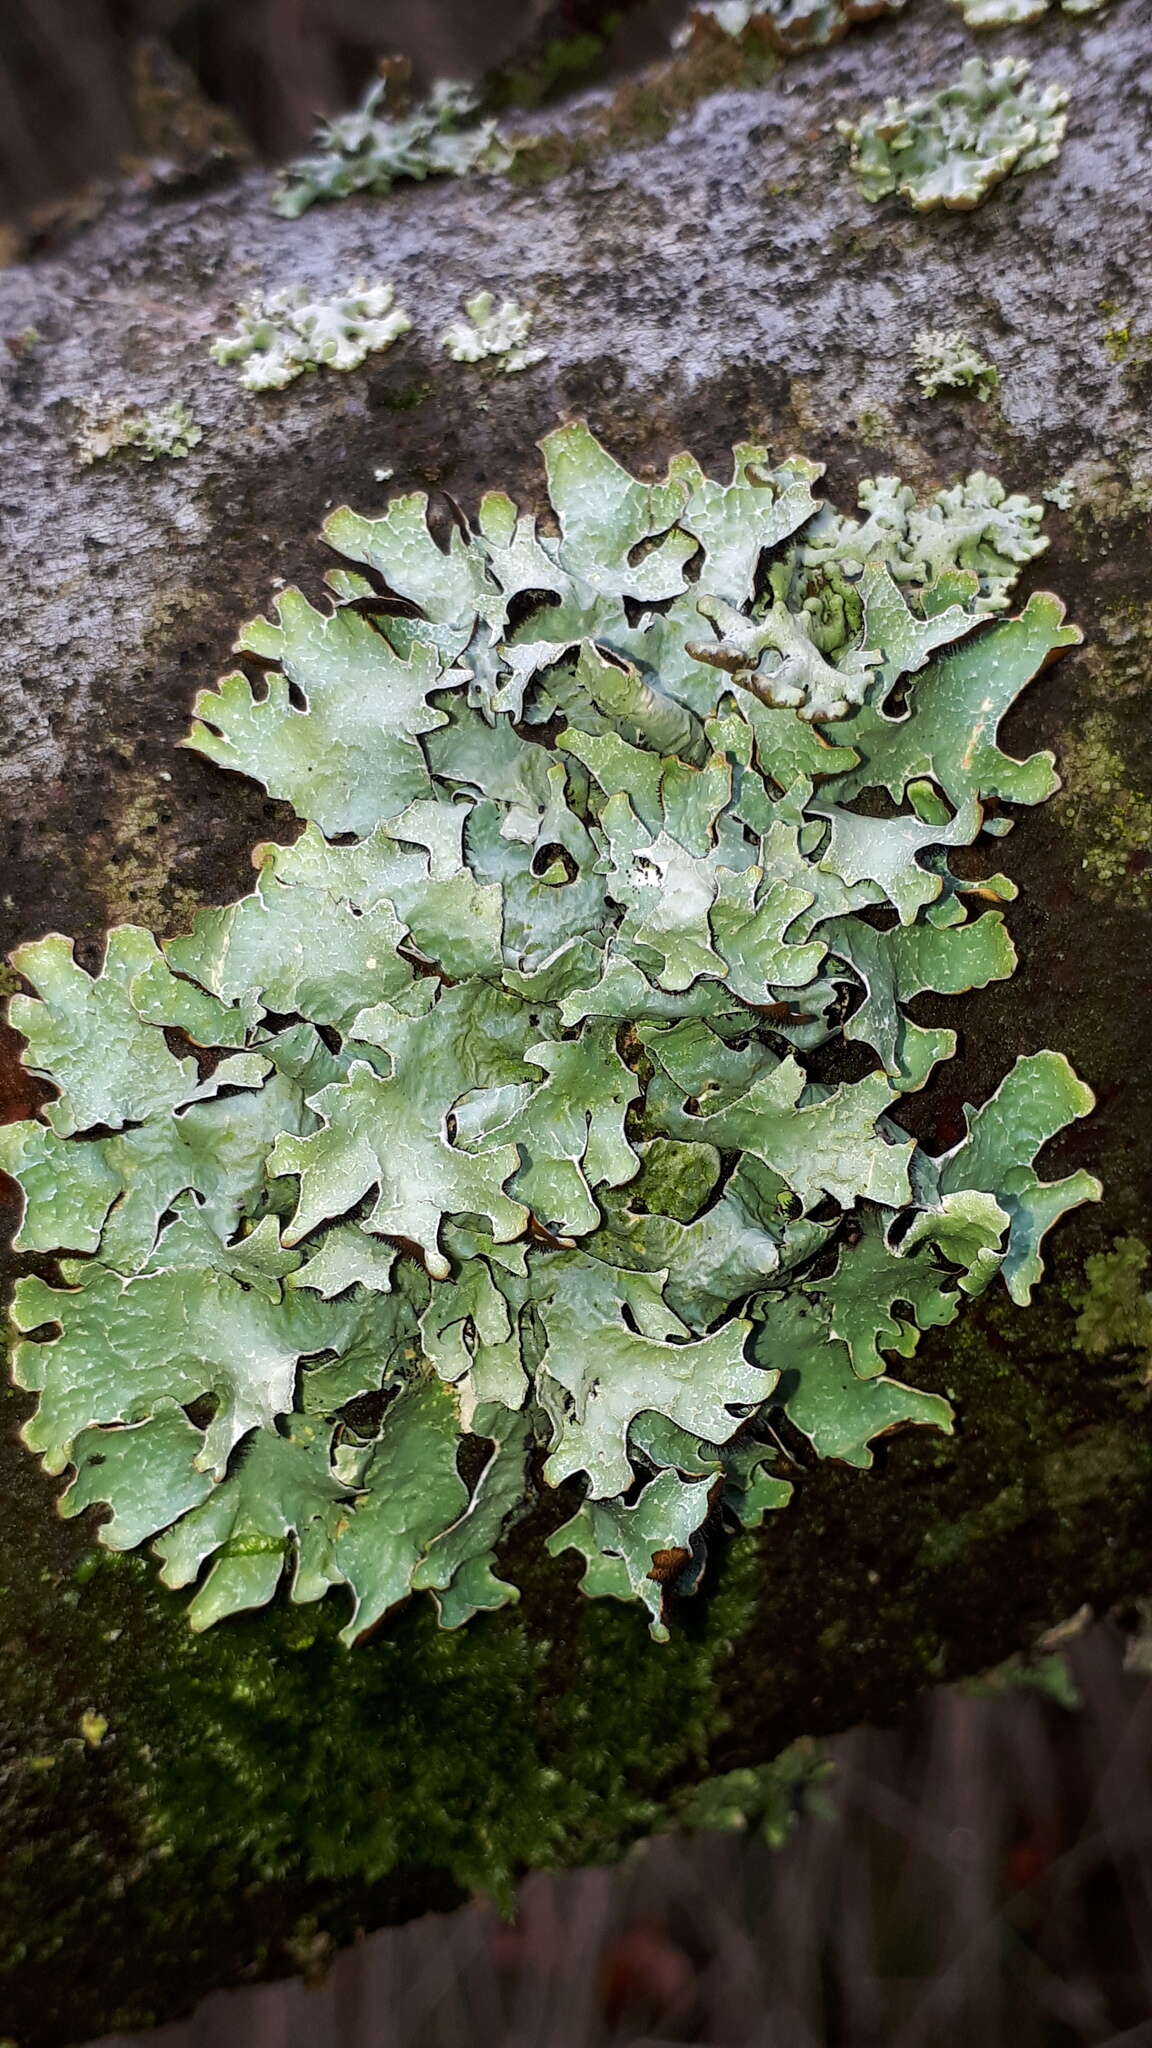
(723,282)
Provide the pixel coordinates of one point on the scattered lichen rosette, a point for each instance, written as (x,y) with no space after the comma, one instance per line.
(1015,13)
(491,331)
(952,148)
(280,335)
(545,1091)
(1001,13)
(788,26)
(373,147)
(107,429)
(946,360)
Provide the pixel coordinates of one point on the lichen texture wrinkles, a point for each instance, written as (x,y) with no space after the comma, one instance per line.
(951,148)
(487,330)
(545,1092)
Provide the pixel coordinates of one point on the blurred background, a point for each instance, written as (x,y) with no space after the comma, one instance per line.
(978,1876)
(89,87)
(980,1873)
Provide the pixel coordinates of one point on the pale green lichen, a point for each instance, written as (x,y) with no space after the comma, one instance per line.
(1062,492)
(952,148)
(946,360)
(165,431)
(282,334)
(371,149)
(1116,1313)
(788,26)
(1000,13)
(1015,13)
(491,331)
(974,529)
(495,1117)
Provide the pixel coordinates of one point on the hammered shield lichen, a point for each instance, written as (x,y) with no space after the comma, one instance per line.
(951,148)
(501,1111)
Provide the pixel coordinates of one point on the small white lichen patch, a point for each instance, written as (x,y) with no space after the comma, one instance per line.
(108,428)
(1062,493)
(1015,13)
(952,148)
(488,329)
(946,360)
(732,16)
(280,336)
(500,1229)
(1000,13)
(786,25)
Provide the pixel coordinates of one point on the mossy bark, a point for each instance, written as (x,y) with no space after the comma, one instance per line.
(721,281)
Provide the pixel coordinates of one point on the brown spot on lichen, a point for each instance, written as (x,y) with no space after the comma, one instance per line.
(667,1564)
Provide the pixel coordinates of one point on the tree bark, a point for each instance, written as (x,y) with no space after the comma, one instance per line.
(260,1787)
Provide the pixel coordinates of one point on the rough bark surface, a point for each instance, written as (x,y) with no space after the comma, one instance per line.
(260,1790)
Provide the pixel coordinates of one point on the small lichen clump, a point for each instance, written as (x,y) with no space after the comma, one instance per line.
(281,335)
(167,431)
(1000,13)
(946,360)
(952,149)
(488,330)
(498,1117)
(1017,13)
(789,26)
(1117,1310)
(792,26)
(371,149)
